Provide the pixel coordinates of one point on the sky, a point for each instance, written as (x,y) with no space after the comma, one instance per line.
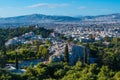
(9,8)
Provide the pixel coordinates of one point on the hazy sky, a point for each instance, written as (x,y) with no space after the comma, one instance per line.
(58,7)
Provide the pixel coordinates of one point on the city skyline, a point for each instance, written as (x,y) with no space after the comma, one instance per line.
(10,8)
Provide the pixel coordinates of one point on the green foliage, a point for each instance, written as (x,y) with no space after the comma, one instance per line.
(82,72)
(107,39)
(117,76)
(78,65)
(48,42)
(2,60)
(92,37)
(62,71)
(43,52)
(22,54)
(8,33)
(106,68)
(105,73)
(115,41)
(85,55)
(16,61)
(70,39)
(66,54)
(5,75)
(112,60)
(37,44)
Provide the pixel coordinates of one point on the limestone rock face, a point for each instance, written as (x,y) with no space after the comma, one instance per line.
(77,52)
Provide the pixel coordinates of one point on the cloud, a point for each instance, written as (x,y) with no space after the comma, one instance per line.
(82,7)
(41,5)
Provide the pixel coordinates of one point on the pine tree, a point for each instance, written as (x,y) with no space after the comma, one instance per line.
(3,58)
(37,44)
(2,61)
(85,56)
(66,54)
(88,53)
(16,61)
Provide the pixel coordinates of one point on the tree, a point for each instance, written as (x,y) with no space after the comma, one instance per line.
(66,54)
(78,66)
(117,76)
(115,41)
(112,60)
(30,74)
(45,53)
(16,61)
(70,39)
(105,73)
(60,73)
(48,42)
(91,36)
(2,60)
(107,39)
(37,44)
(5,77)
(3,57)
(39,54)
(88,51)
(85,55)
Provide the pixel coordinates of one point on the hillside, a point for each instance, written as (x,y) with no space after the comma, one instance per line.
(40,18)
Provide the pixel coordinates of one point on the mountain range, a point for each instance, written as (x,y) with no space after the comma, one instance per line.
(40,18)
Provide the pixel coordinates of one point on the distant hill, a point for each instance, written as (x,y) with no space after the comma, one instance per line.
(40,18)
(110,17)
